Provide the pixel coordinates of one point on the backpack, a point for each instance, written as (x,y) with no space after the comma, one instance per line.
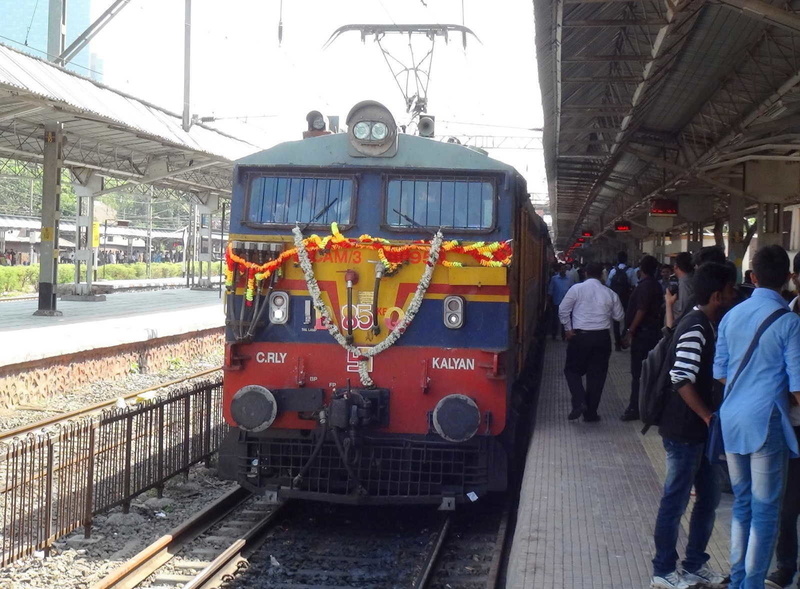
(655,383)
(620,283)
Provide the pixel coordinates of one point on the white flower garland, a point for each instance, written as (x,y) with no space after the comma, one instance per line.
(399,329)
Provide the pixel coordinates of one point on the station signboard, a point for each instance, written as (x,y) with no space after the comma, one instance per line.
(664,207)
(622,226)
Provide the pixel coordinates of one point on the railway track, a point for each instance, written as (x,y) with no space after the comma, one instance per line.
(317,546)
(97,407)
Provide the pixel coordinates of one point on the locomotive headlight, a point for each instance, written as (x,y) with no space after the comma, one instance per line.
(362,130)
(453,312)
(254,408)
(456,418)
(279,307)
(379,131)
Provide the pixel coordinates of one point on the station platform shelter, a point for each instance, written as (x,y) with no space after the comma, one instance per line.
(591,492)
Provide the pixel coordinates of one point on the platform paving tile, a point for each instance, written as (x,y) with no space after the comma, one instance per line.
(591,492)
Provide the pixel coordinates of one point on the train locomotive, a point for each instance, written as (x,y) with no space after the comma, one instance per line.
(382,295)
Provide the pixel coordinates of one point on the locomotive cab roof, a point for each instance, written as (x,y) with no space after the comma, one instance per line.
(413,152)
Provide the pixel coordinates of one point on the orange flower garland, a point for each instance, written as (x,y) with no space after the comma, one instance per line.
(493,255)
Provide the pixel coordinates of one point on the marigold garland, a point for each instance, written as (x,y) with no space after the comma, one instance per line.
(491,255)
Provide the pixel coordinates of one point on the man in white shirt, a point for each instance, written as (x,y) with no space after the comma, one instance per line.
(586,313)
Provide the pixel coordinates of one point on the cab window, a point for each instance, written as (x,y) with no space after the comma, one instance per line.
(456,203)
(286,200)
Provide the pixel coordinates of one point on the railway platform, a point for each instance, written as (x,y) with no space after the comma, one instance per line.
(591,492)
(130,331)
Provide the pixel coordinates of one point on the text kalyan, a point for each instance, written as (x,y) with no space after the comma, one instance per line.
(362,318)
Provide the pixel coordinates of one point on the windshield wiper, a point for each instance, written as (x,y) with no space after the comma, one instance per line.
(409,219)
(321,212)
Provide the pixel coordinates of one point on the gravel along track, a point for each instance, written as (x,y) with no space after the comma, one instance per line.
(76,563)
(318,546)
(103,390)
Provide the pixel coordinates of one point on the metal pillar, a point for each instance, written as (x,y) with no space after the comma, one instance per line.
(56,29)
(770,224)
(205,250)
(149,245)
(87,235)
(187,67)
(736,249)
(51,213)
(695,236)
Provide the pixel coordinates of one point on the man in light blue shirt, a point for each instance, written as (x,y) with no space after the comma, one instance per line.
(558,287)
(755,415)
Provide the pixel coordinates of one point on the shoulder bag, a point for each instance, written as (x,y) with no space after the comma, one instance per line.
(715,448)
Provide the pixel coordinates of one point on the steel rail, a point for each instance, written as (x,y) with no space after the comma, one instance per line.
(141,566)
(226,564)
(24,429)
(424,576)
(499,551)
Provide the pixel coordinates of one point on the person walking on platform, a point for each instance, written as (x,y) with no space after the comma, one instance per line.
(559,285)
(754,415)
(621,280)
(786,552)
(643,319)
(684,430)
(586,313)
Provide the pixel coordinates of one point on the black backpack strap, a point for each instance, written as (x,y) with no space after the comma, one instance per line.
(774,316)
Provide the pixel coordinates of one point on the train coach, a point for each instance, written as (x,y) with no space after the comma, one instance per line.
(383,292)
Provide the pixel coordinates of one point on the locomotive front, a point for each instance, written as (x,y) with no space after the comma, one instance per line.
(369,350)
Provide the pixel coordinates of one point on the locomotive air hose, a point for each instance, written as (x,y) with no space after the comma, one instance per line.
(317,447)
(260,309)
(338,441)
(376,328)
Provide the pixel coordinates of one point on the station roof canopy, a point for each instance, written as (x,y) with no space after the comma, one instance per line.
(649,99)
(109,131)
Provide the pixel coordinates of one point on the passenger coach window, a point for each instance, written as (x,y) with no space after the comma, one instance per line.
(290,199)
(456,203)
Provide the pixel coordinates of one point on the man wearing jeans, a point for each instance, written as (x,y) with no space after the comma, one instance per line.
(786,550)
(684,430)
(755,415)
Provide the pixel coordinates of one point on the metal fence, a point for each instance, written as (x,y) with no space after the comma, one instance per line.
(53,482)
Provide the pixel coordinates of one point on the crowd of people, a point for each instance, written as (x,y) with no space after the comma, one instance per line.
(733,367)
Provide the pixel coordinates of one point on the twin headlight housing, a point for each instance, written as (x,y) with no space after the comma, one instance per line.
(372,130)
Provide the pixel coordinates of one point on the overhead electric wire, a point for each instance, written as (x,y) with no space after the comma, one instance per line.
(33,15)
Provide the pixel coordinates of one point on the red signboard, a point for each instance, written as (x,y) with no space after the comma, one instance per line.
(587,233)
(664,207)
(622,226)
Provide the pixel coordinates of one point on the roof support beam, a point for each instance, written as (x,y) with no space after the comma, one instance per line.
(770,14)
(615,22)
(664,44)
(18,112)
(603,80)
(604,58)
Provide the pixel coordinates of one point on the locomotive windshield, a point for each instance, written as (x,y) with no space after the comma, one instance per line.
(286,200)
(457,203)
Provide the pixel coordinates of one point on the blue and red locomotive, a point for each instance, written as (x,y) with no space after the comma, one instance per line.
(383,291)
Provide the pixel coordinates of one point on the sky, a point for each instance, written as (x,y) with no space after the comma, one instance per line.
(239,69)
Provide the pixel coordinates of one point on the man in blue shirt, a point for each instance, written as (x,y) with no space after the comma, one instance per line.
(559,285)
(755,414)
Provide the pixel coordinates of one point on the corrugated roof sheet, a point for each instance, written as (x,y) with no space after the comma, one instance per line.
(54,84)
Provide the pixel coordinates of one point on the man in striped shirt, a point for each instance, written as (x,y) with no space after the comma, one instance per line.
(684,430)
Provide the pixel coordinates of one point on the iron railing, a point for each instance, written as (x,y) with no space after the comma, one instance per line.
(54,481)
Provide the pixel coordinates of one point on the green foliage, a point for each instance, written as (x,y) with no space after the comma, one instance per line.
(25,279)
(175,363)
